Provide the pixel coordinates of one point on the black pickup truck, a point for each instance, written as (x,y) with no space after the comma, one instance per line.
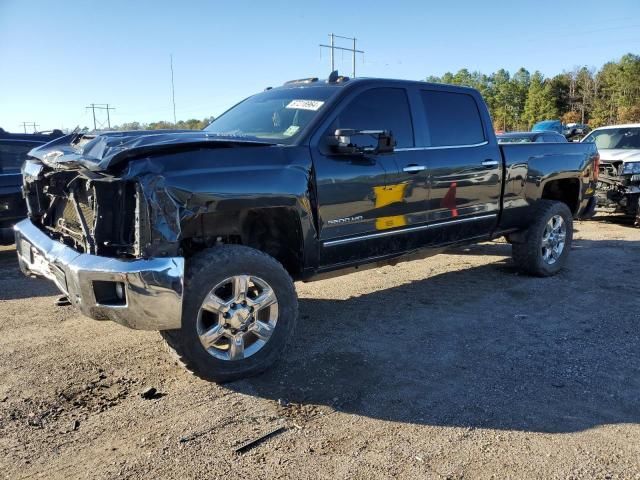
(13,150)
(200,235)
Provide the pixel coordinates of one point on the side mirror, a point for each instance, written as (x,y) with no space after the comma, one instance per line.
(344,145)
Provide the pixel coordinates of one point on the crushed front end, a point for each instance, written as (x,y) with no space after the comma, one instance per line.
(89,233)
(618,189)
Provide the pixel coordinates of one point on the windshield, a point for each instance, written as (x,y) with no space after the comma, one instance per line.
(612,138)
(273,116)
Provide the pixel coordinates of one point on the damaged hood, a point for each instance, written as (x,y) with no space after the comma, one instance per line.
(99,152)
(621,154)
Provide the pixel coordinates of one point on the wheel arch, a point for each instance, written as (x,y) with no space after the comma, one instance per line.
(276,231)
(565,190)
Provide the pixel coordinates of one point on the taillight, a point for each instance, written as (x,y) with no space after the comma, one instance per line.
(596,167)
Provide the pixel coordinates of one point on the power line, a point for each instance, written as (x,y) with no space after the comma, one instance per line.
(100,106)
(332,46)
(30,124)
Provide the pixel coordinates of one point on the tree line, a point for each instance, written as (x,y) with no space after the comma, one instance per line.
(191,124)
(607,96)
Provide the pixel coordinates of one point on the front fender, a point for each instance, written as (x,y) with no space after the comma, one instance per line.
(210,192)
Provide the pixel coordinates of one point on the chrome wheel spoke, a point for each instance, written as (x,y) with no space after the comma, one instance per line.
(210,337)
(262,330)
(236,348)
(264,300)
(213,303)
(240,287)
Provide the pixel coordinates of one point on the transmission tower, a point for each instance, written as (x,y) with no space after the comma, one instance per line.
(332,46)
(101,106)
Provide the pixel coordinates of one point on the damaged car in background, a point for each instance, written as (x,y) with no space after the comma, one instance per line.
(618,189)
(200,235)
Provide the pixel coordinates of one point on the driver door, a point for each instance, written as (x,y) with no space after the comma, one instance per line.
(366,201)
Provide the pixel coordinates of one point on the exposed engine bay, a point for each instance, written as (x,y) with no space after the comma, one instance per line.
(97,216)
(617,192)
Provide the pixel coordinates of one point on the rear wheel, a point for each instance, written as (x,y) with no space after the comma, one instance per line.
(240,309)
(545,245)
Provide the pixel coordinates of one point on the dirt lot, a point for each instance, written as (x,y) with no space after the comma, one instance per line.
(450,367)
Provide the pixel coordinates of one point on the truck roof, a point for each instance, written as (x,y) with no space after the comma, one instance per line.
(342,82)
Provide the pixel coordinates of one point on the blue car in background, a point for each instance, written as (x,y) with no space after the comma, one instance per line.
(572,131)
(549,126)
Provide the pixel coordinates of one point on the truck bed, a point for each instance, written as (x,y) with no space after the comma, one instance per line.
(529,167)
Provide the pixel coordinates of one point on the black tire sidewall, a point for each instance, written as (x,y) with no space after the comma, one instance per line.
(221,263)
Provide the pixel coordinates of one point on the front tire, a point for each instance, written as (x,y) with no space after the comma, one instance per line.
(546,243)
(239,311)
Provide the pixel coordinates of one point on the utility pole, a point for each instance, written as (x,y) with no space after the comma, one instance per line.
(30,124)
(332,46)
(353,58)
(93,109)
(173,91)
(100,106)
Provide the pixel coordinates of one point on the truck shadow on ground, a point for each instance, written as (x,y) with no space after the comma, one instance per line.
(482,347)
(488,248)
(615,219)
(14,285)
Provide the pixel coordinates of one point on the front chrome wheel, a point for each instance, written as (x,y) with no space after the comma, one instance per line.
(553,239)
(237,317)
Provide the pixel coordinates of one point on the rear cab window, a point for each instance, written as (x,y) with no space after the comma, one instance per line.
(453,118)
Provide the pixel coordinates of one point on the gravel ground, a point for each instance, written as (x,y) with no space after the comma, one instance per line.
(450,367)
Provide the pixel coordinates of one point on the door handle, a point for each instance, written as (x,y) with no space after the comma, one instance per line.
(413,168)
(489,163)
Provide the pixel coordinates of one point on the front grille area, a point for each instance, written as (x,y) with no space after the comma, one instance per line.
(75,215)
(91,215)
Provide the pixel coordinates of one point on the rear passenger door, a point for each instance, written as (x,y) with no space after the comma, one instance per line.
(464,165)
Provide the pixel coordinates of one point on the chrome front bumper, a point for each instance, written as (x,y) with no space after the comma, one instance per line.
(153,289)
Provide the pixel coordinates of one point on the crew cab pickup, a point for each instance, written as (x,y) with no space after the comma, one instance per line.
(200,235)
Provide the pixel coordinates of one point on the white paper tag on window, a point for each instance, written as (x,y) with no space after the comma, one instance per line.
(305,104)
(292,130)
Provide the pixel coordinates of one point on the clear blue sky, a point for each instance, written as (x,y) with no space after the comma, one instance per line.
(56,57)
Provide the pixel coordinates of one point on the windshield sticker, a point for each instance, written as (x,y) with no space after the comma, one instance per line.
(305,104)
(292,130)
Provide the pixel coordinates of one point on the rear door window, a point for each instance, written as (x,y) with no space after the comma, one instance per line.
(12,154)
(378,109)
(453,118)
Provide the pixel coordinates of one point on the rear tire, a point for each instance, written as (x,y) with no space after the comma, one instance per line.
(213,267)
(546,243)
